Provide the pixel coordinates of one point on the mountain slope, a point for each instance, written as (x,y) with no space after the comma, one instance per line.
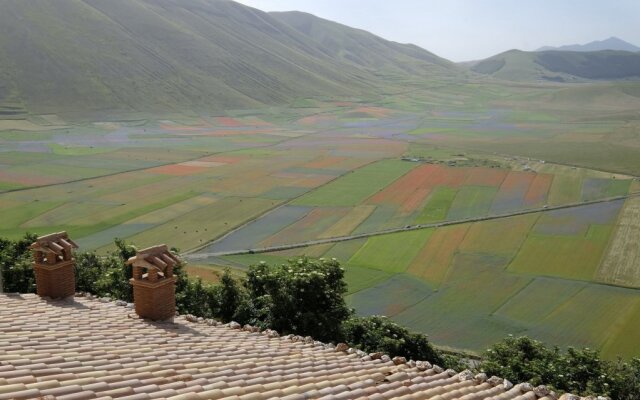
(362,48)
(561,65)
(613,43)
(157,55)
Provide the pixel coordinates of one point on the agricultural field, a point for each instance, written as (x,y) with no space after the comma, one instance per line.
(485,171)
(514,275)
(392,194)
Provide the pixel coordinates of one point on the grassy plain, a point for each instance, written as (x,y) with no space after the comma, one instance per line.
(318,169)
(357,186)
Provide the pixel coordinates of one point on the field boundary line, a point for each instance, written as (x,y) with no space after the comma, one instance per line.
(337,239)
(614,233)
(524,240)
(285,203)
(209,154)
(513,295)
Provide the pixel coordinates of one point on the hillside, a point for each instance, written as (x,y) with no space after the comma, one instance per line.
(561,66)
(613,43)
(145,55)
(361,48)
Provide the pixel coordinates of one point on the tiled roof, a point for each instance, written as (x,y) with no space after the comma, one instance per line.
(93,348)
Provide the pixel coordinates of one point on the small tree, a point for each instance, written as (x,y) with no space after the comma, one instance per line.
(578,371)
(15,265)
(624,379)
(304,296)
(230,297)
(380,334)
(521,359)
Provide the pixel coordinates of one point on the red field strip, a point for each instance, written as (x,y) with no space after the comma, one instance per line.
(377,112)
(486,176)
(538,190)
(411,190)
(227,121)
(26,179)
(177,170)
(422,177)
(517,180)
(432,263)
(316,119)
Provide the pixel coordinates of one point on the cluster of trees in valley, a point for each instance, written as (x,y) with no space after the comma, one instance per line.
(306,297)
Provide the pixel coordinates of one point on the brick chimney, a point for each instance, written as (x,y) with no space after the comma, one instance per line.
(154,284)
(54,265)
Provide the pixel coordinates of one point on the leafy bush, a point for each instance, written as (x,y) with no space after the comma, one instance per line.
(305,297)
(578,371)
(15,265)
(520,360)
(380,334)
(195,297)
(232,300)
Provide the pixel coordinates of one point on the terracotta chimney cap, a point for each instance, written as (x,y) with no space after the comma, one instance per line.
(154,283)
(156,258)
(54,265)
(54,243)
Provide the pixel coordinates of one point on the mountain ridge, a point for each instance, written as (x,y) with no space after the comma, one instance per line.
(561,66)
(358,46)
(159,55)
(612,43)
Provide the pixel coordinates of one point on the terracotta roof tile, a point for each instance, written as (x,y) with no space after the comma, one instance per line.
(87,349)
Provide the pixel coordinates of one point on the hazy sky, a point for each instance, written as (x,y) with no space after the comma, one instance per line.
(472,29)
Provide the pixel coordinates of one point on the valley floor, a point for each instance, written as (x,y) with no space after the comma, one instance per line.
(560,264)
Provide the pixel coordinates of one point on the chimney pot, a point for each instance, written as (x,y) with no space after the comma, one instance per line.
(154,291)
(55,276)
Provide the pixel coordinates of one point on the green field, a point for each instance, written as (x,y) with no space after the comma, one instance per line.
(438,206)
(471,201)
(495,278)
(356,186)
(391,253)
(314,169)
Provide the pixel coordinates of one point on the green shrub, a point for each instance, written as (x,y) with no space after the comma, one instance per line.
(304,297)
(15,265)
(578,371)
(380,334)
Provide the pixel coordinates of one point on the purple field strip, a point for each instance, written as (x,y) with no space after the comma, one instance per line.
(512,193)
(506,202)
(595,188)
(390,297)
(105,237)
(255,232)
(309,227)
(397,125)
(576,221)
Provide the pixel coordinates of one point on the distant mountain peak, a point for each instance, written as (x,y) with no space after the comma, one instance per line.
(612,43)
